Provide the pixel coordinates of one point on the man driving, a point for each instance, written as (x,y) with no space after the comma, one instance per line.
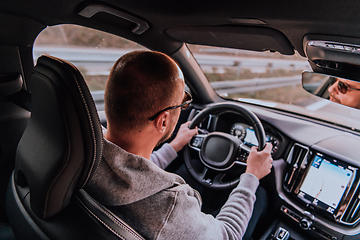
(345,92)
(143,99)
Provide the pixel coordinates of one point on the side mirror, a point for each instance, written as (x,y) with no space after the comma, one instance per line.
(335,89)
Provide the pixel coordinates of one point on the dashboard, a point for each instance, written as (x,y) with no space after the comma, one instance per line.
(316,169)
(317,177)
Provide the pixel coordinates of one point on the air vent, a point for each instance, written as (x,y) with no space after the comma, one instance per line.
(352,214)
(297,161)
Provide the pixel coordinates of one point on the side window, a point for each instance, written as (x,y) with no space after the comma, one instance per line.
(93,52)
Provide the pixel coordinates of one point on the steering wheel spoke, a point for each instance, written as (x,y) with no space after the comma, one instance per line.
(219,176)
(203,175)
(211,177)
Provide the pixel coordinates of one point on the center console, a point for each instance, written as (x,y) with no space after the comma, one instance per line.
(323,184)
(320,194)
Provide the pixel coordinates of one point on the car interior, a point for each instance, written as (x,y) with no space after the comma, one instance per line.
(51,116)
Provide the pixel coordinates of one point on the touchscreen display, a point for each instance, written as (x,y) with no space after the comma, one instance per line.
(325,183)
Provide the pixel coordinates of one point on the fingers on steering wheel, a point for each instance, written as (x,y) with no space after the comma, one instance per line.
(268,148)
(253,149)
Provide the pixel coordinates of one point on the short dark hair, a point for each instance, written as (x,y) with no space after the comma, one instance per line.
(140,84)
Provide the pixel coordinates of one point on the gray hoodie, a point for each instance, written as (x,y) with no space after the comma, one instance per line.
(160,205)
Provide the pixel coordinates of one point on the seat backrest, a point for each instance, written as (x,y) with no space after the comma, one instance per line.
(62,142)
(56,156)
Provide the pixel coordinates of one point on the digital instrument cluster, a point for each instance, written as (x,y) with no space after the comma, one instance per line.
(246,134)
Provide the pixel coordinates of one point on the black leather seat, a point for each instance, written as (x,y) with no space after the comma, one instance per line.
(55,158)
(13,121)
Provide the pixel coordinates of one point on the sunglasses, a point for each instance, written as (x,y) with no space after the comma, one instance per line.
(184,105)
(343,87)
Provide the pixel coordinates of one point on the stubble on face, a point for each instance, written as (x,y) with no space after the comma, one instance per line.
(166,136)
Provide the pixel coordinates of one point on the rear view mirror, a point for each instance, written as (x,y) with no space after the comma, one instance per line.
(339,90)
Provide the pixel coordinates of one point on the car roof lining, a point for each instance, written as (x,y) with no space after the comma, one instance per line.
(292,20)
(18,30)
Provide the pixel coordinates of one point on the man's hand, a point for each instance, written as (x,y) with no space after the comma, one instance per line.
(260,163)
(183,136)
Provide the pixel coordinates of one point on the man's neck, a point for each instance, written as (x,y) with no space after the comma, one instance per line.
(138,143)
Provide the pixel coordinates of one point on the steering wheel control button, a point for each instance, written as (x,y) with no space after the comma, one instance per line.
(208,181)
(281,234)
(242,155)
(196,142)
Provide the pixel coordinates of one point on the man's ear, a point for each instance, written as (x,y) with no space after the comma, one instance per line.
(162,121)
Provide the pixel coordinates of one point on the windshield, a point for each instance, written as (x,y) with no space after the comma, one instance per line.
(268,79)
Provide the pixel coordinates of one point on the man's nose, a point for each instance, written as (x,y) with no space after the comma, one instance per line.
(333,88)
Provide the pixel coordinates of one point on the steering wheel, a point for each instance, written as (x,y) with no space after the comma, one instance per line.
(220,152)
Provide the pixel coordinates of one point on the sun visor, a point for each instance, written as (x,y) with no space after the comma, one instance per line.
(241,37)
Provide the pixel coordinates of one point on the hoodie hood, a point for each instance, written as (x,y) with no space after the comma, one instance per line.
(122,177)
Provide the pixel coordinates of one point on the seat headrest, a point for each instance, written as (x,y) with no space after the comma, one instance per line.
(10,83)
(62,143)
